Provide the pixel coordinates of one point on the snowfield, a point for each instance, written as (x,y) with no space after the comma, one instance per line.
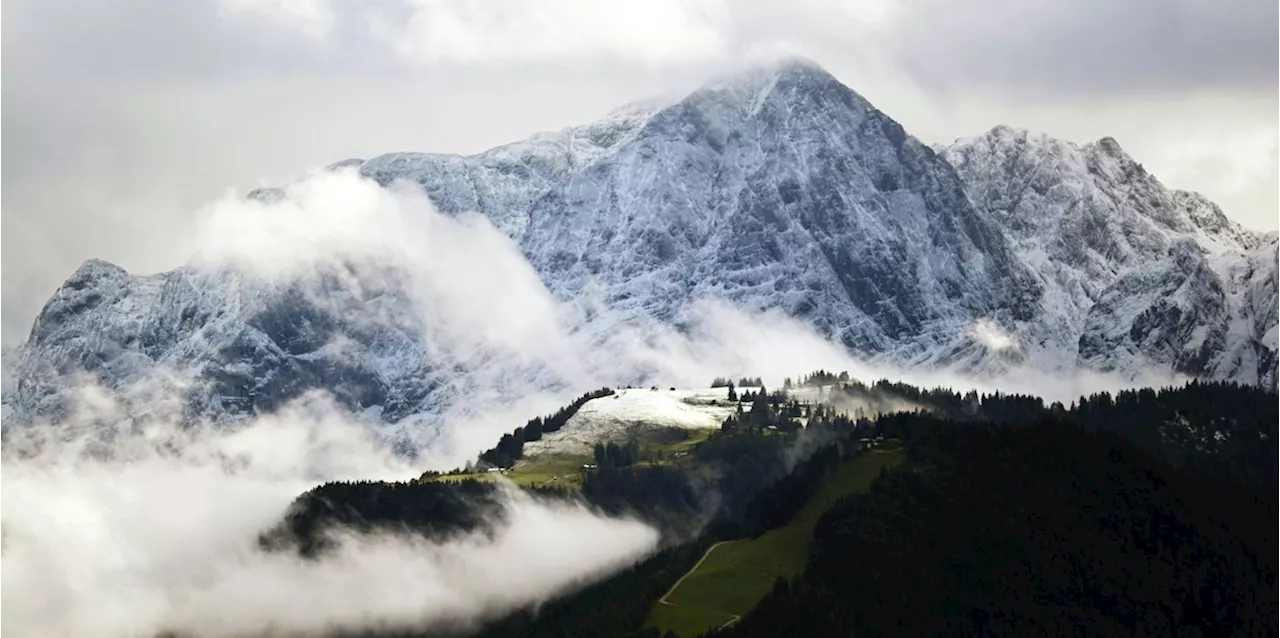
(629,411)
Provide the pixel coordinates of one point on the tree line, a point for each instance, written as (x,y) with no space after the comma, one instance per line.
(510,447)
(744,382)
(612,455)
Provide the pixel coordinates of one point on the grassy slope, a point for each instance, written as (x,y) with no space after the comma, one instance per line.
(737,574)
(563,470)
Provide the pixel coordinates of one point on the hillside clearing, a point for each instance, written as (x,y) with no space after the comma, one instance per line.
(734,576)
(632,412)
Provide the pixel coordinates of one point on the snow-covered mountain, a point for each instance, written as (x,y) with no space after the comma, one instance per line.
(777,187)
(1135,275)
(253,343)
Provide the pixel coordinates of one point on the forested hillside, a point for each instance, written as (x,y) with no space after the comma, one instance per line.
(427,508)
(1144,513)
(1044,530)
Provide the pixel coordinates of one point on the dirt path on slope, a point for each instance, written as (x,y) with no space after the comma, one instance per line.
(735,618)
(695,567)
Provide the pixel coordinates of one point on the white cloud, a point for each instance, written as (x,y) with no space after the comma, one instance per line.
(161,535)
(5,26)
(311,18)
(1234,163)
(472,286)
(649,32)
(990,335)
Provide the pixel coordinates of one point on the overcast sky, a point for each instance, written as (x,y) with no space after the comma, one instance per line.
(120,119)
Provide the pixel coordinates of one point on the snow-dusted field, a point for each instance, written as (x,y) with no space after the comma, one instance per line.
(616,417)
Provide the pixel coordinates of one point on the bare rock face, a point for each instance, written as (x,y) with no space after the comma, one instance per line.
(777,188)
(246,346)
(774,188)
(1136,276)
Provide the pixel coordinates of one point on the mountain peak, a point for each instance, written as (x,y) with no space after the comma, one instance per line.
(92,269)
(765,72)
(792,64)
(1110,147)
(346,163)
(798,81)
(1004,131)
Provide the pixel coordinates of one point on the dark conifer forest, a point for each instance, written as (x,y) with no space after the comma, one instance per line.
(1143,513)
(431,509)
(1042,530)
(511,447)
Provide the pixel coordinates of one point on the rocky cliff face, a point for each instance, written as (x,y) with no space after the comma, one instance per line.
(8,384)
(245,345)
(1200,314)
(1257,281)
(775,188)
(1135,275)
(783,189)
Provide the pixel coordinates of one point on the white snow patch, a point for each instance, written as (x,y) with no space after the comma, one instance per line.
(1272,335)
(616,417)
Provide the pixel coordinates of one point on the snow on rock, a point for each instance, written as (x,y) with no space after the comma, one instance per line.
(631,411)
(235,343)
(775,188)
(783,189)
(504,182)
(1134,275)
(8,384)
(1171,311)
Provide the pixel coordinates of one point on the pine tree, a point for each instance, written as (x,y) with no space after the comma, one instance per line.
(760,412)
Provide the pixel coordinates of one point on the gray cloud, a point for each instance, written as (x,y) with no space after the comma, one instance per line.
(140,42)
(124,118)
(1074,49)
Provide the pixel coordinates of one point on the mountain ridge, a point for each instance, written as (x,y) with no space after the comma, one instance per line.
(774,188)
(1094,220)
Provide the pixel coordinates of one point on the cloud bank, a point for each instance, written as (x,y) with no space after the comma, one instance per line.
(119,522)
(155,530)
